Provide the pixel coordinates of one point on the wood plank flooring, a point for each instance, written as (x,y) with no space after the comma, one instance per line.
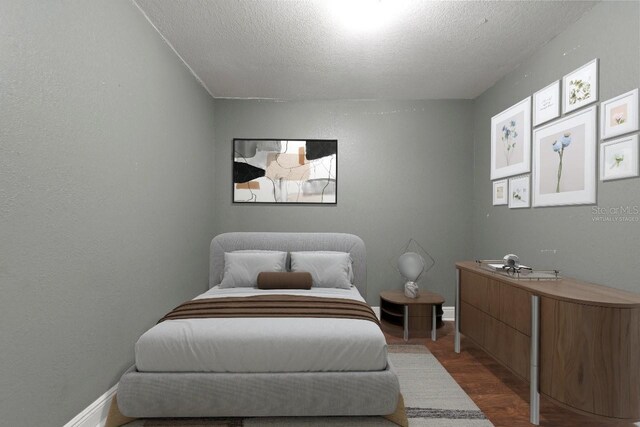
(503,397)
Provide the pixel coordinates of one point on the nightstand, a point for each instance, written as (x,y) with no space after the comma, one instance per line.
(411,313)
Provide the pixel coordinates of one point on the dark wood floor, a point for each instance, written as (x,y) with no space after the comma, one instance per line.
(503,397)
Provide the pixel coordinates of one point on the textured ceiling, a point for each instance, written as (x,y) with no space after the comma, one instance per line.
(306,50)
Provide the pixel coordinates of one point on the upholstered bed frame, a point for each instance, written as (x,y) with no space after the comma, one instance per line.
(167,394)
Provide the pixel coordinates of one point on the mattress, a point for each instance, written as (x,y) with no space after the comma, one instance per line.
(246,345)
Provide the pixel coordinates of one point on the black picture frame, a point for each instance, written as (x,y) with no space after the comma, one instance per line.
(243,172)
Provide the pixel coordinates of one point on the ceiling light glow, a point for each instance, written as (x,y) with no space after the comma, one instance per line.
(362,16)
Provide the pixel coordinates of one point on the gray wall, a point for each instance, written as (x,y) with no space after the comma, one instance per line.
(404,171)
(105,198)
(565,237)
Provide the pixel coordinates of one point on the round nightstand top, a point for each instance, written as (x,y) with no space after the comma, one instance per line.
(425,297)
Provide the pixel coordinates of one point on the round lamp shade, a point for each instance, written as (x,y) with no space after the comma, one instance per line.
(411,265)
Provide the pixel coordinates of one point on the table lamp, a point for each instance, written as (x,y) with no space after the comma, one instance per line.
(411,265)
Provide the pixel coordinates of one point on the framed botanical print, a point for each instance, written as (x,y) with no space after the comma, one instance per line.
(564,160)
(500,190)
(580,87)
(285,171)
(519,194)
(511,141)
(619,115)
(546,104)
(619,158)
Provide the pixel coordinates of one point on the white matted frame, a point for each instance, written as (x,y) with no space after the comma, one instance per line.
(619,158)
(619,115)
(546,104)
(511,141)
(519,192)
(500,192)
(580,87)
(564,160)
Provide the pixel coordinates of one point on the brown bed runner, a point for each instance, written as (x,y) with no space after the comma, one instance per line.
(272,306)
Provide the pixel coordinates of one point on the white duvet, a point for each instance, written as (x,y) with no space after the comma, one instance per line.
(264,344)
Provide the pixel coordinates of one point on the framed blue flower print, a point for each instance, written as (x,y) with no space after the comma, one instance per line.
(511,141)
(564,160)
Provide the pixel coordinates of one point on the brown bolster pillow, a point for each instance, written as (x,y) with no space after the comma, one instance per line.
(284,280)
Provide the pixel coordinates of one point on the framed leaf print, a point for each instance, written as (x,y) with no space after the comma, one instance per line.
(580,87)
(519,192)
(619,158)
(511,141)
(564,160)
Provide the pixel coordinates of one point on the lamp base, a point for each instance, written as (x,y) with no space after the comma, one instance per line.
(411,290)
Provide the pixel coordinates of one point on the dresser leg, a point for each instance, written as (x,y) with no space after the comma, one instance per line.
(406,322)
(456,342)
(534,399)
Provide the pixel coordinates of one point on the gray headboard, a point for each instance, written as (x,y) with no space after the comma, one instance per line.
(289,242)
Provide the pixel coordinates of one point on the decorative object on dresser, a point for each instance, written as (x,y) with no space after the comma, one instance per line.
(580,87)
(576,343)
(412,313)
(510,266)
(564,161)
(619,115)
(619,158)
(500,192)
(546,104)
(511,140)
(291,171)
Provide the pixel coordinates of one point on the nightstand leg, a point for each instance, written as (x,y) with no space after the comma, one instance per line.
(406,323)
(456,341)
(433,322)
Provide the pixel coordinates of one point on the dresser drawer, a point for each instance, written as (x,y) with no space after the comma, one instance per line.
(515,308)
(509,346)
(474,290)
(472,322)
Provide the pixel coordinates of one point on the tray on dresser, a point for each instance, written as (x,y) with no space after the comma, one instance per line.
(518,273)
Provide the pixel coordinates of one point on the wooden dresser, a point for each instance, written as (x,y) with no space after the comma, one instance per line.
(577,343)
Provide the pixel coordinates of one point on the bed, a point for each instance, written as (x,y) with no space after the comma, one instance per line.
(264,366)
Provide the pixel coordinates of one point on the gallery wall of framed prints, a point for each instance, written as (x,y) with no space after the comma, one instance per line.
(553,134)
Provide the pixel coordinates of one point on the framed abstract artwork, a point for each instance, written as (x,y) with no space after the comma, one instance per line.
(285,171)
(511,141)
(619,158)
(619,115)
(564,160)
(580,87)
(500,189)
(546,104)
(519,193)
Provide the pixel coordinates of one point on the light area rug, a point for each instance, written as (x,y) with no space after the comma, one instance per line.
(431,396)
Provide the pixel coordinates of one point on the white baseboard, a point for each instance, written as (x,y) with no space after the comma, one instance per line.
(449,312)
(94,415)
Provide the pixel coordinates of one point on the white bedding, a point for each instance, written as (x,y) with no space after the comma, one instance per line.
(264,344)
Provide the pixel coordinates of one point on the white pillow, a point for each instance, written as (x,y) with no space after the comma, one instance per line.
(328,269)
(241,268)
(351,276)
